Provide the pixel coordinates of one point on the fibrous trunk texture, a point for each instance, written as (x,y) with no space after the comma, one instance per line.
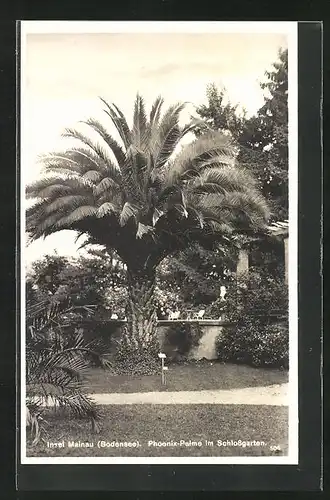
(141,311)
(137,353)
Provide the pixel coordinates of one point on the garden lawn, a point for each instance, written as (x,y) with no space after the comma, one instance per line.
(143,423)
(186,377)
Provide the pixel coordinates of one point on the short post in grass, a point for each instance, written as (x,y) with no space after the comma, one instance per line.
(165,369)
(162,357)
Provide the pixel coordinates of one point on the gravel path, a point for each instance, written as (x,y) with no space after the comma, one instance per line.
(276,395)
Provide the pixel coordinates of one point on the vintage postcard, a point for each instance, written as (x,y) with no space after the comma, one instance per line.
(159,195)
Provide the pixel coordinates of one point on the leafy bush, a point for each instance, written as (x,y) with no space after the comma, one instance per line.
(254,343)
(133,359)
(254,294)
(193,275)
(182,337)
(103,329)
(94,279)
(257,307)
(167,298)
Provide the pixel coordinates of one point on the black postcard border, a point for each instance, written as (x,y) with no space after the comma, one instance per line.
(306,476)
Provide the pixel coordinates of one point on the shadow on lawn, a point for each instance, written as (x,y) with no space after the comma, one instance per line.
(191,376)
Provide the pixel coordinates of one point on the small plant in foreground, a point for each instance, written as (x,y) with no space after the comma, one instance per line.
(57,357)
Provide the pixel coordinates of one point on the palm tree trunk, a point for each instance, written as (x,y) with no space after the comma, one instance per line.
(141,312)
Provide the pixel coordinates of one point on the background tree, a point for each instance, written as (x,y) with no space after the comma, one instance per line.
(261,145)
(262,139)
(186,281)
(95,279)
(45,274)
(197,274)
(144,201)
(220,114)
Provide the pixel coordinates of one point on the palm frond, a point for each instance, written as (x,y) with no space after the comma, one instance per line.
(76,159)
(65,163)
(143,229)
(221,227)
(45,189)
(221,179)
(41,314)
(87,141)
(84,172)
(119,121)
(48,187)
(62,202)
(96,148)
(107,184)
(93,175)
(156,215)
(90,240)
(39,226)
(134,174)
(129,210)
(106,208)
(155,112)
(108,139)
(43,218)
(247,209)
(79,404)
(55,365)
(35,423)
(193,155)
(78,214)
(139,131)
(166,135)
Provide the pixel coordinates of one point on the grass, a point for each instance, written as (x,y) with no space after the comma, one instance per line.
(143,423)
(186,377)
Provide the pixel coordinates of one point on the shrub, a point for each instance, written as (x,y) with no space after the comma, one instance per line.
(136,363)
(254,343)
(103,329)
(257,307)
(133,358)
(183,337)
(167,299)
(257,294)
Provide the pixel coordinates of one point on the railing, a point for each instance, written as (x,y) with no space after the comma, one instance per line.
(160,322)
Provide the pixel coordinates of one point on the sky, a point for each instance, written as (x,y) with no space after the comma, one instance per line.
(63,75)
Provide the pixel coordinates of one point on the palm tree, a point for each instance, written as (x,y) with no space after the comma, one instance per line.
(57,357)
(144,197)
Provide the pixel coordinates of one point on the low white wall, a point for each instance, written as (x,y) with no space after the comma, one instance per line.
(206,348)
